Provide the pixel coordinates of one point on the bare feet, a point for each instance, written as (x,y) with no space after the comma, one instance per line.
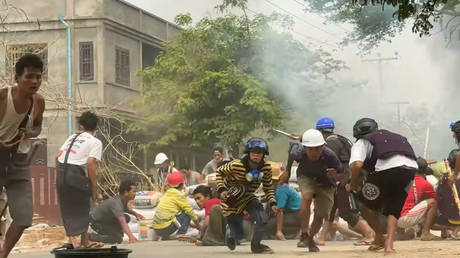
(280,236)
(75,241)
(390,251)
(320,242)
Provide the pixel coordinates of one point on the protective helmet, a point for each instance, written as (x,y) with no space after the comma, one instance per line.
(325,124)
(312,138)
(453,157)
(364,126)
(456,127)
(160,158)
(257,144)
(423,167)
(451,125)
(175,179)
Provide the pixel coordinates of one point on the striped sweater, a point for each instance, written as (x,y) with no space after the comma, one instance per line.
(234,173)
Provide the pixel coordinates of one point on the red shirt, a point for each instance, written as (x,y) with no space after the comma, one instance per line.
(424,191)
(209,204)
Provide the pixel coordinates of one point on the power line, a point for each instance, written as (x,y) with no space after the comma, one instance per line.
(301,19)
(309,38)
(306,7)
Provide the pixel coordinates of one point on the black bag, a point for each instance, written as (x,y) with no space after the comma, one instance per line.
(74,176)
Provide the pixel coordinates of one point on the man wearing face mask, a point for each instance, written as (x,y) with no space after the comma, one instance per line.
(236,183)
(317,174)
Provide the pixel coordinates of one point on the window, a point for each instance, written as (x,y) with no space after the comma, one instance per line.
(86,61)
(14,52)
(122,66)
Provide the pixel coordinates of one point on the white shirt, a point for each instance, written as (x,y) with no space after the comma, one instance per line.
(362,149)
(85,146)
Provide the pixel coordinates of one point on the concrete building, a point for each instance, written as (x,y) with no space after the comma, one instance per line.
(111,41)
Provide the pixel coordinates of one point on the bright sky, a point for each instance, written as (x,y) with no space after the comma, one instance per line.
(424,73)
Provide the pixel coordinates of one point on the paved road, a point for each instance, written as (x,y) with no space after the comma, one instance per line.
(283,249)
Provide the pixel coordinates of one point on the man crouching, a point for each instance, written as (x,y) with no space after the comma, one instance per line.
(236,182)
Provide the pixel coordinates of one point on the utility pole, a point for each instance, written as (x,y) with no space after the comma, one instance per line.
(398,104)
(379,61)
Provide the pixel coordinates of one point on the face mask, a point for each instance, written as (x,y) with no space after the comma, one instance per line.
(254,175)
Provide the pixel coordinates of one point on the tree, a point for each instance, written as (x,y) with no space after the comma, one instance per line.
(220,79)
(379,20)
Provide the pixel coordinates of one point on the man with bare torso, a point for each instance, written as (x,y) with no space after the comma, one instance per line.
(21,116)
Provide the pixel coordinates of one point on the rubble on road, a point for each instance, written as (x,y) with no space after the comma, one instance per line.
(42,235)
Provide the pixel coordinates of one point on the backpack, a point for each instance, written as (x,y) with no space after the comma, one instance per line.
(345,152)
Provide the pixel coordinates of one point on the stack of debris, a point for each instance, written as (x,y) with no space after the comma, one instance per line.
(42,236)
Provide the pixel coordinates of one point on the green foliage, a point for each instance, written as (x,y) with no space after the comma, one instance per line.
(375,21)
(220,79)
(371,24)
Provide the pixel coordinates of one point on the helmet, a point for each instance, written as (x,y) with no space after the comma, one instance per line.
(175,179)
(451,125)
(456,127)
(423,167)
(453,157)
(364,126)
(160,158)
(312,138)
(325,124)
(257,144)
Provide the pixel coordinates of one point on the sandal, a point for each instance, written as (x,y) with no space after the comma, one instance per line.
(430,237)
(94,245)
(376,246)
(362,242)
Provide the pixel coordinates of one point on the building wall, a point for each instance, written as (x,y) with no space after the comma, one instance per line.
(106,23)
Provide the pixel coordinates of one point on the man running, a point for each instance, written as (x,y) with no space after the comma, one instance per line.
(236,182)
(317,177)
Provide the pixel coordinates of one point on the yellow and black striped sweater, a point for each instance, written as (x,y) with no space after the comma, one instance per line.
(234,173)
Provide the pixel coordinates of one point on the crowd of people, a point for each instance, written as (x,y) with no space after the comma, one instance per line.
(376,189)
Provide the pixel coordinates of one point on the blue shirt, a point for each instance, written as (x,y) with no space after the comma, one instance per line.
(287,198)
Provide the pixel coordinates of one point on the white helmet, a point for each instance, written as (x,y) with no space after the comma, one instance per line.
(312,138)
(160,158)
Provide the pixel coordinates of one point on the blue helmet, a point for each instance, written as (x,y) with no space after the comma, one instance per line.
(325,124)
(257,144)
(451,125)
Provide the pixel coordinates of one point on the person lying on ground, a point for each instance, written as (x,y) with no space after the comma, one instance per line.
(421,204)
(173,213)
(109,220)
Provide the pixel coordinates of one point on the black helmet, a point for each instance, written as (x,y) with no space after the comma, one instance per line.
(364,126)
(257,144)
(456,127)
(453,157)
(423,167)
